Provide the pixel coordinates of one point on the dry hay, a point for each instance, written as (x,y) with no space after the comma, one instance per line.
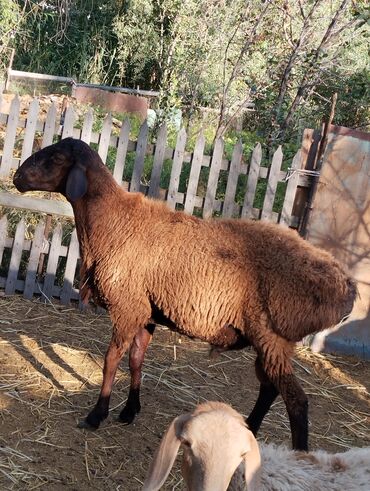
(50,372)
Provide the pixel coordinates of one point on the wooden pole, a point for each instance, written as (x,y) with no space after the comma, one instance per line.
(317,166)
(8,71)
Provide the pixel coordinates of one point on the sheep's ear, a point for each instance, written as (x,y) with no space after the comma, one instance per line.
(252,464)
(76,185)
(165,455)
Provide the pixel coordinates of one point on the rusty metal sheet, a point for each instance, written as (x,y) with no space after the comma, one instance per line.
(340,223)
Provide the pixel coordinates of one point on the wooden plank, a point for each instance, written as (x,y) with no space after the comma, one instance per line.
(286,214)
(139,158)
(69,121)
(160,149)
(172,196)
(122,144)
(15,259)
(51,268)
(252,181)
(214,173)
(69,275)
(194,174)
(29,135)
(33,261)
(232,181)
(87,126)
(105,137)
(3,235)
(62,208)
(50,126)
(268,202)
(39,76)
(11,132)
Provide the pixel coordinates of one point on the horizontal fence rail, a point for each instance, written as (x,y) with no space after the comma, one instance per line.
(206,185)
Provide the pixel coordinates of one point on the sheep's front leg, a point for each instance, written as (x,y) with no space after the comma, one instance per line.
(113,356)
(137,353)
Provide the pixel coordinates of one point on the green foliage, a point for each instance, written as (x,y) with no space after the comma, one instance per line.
(283,56)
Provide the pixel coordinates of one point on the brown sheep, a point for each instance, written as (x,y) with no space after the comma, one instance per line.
(231,283)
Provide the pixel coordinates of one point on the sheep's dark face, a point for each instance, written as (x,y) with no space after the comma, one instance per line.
(53,168)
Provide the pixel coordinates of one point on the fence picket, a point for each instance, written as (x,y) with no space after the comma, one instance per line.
(3,235)
(176,169)
(252,182)
(291,189)
(11,132)
(272,180)
(105,137)
(51,268)
(30,131)
(196,165)
(232,181)
(139,157)
(49,128)
(37,244)
(160,149)
(214,173)
(122,145)
(87,126)
(69,121)
(15,259)
(69,275)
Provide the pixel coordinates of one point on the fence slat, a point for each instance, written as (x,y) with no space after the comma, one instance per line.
(3,235)
(105,137)
(139,158)
(176,168)
(214,173)
(273,178)
(50,126)
(69,121)
(87,126)
(11,132)
(15,259)
(196,165)
(160,149)
(232,181)
(51,268)
(36,248)
(252,181)
(29,135)
(122,145)
(286,213)
(73,255)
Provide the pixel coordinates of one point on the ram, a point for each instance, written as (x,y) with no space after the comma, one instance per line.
(232,283)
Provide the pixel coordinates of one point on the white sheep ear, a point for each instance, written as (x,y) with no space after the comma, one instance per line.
(252,464)
(165,455)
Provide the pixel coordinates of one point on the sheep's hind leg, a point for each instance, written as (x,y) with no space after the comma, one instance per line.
(137,353)
(267,395)
(114,354)
(275,354)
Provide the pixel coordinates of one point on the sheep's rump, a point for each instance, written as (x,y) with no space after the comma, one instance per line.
(214,277)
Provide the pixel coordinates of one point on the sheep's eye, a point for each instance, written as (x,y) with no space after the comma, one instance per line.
(185,442)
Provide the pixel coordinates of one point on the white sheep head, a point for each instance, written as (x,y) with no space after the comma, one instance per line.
(215,440)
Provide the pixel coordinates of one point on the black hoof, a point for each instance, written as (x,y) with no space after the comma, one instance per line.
(127,415)
(84,424)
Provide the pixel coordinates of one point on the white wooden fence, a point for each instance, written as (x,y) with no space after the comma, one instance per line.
(22,133)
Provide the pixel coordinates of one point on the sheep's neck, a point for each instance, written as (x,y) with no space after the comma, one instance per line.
(96,217)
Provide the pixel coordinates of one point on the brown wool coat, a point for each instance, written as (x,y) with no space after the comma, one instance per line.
(204,275)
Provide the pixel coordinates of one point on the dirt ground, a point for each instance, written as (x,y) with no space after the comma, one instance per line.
(50,370)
